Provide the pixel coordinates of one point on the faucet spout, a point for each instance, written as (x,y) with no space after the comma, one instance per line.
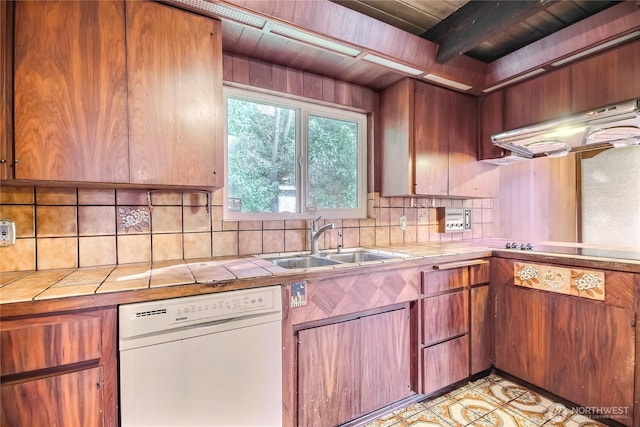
(315,234)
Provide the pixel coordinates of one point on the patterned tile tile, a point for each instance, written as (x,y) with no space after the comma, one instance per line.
(479,403)
(532,406)
(455,413)
(556,415)
(388,421)
(503,418)
(501,391)
(582,421)
(427,418)
(410,410)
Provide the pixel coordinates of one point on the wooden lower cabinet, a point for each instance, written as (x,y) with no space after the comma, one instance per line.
(72,399)
(59,370)
(455,323)
(480,329)
(350,368)
(580,349)
(385,359)
(445,363)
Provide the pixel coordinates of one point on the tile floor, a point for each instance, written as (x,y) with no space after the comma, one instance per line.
(489,402)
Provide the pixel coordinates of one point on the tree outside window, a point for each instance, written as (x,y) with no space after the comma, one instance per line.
(292,158)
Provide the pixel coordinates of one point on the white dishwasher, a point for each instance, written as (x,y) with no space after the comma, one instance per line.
(207,360)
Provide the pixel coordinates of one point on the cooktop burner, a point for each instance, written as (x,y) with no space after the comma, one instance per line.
(522,247)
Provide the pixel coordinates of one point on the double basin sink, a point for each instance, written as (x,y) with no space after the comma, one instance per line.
(321,260)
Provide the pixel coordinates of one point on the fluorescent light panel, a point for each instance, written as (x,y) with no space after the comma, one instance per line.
(447,82)
(226,12)
(393,65)
(596,48)
(301,36)
(517,79)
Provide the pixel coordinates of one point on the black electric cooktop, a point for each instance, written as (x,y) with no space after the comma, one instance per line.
(622,254)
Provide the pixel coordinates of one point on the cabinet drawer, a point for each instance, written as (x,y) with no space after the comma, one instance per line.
(434,281)
(445,316)
(45,342)
(479,273)
(444,364)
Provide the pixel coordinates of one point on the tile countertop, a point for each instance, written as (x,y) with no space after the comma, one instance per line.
(117,284)
(17,287)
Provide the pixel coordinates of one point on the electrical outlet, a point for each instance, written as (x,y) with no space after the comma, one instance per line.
(423,216)
(7,232)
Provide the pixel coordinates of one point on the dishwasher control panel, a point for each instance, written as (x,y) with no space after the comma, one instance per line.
(152,317)
(221,306)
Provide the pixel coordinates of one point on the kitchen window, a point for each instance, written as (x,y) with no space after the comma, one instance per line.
(289,159)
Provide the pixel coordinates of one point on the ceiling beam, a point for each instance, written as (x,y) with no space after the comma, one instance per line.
(478,21)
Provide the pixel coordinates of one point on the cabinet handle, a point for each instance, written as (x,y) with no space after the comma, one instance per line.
(458,264)
(2,161)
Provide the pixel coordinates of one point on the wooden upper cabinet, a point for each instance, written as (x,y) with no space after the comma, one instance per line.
(396,117)
(432,110)
(490,122)
(70,91)
(174,61)
(6,92)
(467,176)
(539,99)
(429,143)
(606,78)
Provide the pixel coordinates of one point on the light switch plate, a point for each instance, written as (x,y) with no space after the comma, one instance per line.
(7,232)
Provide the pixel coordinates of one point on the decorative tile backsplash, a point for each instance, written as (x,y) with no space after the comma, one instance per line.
(568,281)
(79,227)
(134,218)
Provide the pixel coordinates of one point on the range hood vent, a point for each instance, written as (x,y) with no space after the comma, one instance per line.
(611,126)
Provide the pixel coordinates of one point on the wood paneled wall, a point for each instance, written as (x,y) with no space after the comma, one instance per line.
(538,200)
(301,84)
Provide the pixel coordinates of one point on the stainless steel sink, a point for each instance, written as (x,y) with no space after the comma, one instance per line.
(309,261)
(358,256)
(303,261)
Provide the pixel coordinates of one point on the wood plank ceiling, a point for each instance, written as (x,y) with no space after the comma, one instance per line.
(459,40)
(492,28)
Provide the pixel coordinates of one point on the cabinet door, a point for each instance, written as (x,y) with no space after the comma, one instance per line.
(523,329)
(174,62)
(396,127)
(444,364)
(70,91)
(480,330)
(73,399)
(432,111)
(386,358)
(445,316)
(6,92)
(593,350)
(490,122)
(328,374)
(467,176)
(606,78)
(542,98)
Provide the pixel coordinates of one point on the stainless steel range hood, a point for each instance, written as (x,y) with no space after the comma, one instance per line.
(614,125)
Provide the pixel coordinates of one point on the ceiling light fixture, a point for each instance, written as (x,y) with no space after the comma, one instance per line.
(447,82)
(597,48)
(226,12)
(304,37)
(393,65)
(517,79)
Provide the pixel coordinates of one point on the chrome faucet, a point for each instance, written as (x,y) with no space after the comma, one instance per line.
(315,233)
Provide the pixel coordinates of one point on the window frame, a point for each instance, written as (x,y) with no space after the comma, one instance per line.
(304,108)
